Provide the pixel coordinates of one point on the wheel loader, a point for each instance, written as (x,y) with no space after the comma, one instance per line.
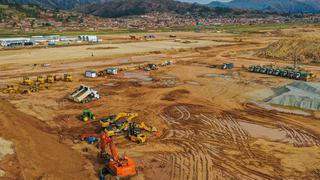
(26,81)
(41,80)
(11,89)
(50,79)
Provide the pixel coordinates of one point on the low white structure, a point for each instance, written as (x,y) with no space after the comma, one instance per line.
(112,71)
(91,74)
(89,38)
(13,42)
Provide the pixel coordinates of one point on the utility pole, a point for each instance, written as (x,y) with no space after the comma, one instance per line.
(295,60)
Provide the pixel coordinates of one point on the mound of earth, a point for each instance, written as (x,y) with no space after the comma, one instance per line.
(304,95)
(305,49)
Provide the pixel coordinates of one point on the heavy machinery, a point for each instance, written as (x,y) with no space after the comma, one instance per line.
(50,79)
(84,94)
(11,89)
(150,67)
(105,122)
(67,78)
(90,138)
(26,81)
(41,80)
(87,115)
(227,66)
(135,134)
(119,167)
(283,72)
(145,127)
(25,91)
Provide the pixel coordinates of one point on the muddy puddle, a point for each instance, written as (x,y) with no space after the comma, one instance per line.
(217,76)
(137,76)
(258,131)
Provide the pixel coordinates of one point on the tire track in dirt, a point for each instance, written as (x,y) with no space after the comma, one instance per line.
(204,138)
(300,138)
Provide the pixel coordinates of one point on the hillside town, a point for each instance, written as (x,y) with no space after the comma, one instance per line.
(66,21)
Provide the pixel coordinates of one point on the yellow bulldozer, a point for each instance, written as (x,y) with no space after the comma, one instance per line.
(26,81)
(67,78)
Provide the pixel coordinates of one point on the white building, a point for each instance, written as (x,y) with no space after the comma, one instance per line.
(13,42)
(89,38)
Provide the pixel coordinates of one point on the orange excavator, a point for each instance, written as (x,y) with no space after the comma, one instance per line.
(123,167)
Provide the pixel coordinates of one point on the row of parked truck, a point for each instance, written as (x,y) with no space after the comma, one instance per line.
(283,72)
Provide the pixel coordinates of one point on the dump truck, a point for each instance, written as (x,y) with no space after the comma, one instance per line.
(84,94)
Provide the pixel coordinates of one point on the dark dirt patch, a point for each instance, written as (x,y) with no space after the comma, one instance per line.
(175,94)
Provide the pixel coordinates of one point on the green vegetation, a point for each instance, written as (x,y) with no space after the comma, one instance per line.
(237,29)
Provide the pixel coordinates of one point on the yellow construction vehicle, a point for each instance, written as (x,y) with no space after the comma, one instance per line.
(11,89)
(135,135)
(26,81)
(105,122)
(68,78)
(41,80)
(25,91)
(50,79)
(147,128)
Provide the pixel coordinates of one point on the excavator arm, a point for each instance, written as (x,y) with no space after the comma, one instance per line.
(106,139)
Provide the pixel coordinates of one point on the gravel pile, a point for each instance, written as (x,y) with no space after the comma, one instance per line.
(305,95)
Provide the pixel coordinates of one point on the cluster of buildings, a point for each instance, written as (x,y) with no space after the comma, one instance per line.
(64,21)
(46,40)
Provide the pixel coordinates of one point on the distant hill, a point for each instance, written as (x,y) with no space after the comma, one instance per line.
(279,6)
(118,8)
(54,4)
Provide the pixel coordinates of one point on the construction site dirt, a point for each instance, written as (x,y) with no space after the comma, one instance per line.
(210,126)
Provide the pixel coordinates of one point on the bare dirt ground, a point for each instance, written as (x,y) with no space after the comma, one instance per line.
(210,127)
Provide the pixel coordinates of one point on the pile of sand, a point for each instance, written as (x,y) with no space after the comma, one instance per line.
(306,49)
(303,95)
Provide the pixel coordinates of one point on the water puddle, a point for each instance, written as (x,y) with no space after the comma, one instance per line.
(258,131)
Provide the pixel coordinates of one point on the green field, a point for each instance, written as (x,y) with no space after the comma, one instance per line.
(236,29)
